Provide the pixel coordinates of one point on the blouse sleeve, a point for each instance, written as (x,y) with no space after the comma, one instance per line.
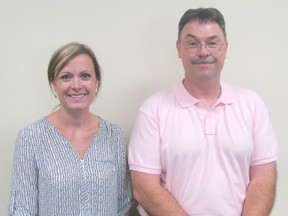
(123,175)
(24,189)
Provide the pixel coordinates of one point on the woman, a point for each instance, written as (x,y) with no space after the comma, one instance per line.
(71,162)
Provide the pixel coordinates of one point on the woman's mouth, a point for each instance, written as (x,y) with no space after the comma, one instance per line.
(76,95)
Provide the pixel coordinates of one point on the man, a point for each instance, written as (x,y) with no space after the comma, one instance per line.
(203,147)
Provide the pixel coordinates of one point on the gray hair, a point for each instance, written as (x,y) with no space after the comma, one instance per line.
(202,15)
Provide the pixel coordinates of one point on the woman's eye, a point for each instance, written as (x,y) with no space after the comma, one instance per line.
(85,76)
(65,77)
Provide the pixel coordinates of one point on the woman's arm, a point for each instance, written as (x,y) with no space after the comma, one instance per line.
(24,187)
(123,176)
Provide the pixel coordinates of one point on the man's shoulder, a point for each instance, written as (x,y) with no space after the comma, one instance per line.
(164,96)
(239,91)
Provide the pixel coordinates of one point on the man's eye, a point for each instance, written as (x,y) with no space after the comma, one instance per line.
(65,77)
(212,44)
(193,44)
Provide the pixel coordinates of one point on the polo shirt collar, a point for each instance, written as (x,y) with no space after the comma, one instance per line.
(228,94)
(186,100)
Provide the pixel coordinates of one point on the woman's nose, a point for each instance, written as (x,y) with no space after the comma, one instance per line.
(76,84)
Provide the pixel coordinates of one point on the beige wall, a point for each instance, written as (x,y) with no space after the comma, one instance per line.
(134,41)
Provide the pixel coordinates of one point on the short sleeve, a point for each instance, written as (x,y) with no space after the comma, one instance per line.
(264,139)
(144,145)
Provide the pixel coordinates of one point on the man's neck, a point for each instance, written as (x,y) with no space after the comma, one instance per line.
(207,91)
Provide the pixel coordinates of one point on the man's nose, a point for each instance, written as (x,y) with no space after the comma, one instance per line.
(203,49)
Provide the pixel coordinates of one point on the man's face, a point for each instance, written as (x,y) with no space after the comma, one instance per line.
(202,48)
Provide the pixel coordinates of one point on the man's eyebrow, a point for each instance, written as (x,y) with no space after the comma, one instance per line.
(195,37)
(214,37)
(191,36)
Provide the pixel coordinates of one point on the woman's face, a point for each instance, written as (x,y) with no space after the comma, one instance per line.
(76,84)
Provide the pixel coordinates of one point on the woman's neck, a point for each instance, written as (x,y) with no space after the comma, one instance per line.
(62,118)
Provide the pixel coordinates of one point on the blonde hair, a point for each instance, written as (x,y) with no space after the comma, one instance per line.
(63,55)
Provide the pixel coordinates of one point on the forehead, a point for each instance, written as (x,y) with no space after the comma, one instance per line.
(79,60)
(201,30)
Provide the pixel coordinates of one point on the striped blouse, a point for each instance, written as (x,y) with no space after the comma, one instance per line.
(49,178)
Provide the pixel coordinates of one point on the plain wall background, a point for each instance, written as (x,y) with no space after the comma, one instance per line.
(134,42)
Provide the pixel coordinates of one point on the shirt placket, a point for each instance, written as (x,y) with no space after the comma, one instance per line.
(84,202)
(210,120)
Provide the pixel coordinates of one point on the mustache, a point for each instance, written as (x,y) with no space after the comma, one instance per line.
(203,60)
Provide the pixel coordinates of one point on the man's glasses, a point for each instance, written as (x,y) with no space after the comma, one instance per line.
(209,45)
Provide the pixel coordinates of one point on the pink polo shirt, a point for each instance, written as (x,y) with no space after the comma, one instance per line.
(203,156)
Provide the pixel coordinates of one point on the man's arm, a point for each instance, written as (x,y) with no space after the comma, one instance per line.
(155,199)
(261,190)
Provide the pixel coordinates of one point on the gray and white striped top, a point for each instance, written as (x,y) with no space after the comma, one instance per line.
(49,178)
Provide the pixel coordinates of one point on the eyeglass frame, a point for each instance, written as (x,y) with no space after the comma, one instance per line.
(206,44)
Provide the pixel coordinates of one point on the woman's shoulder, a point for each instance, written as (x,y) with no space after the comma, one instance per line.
(111,128)
(109,125)
(35,127)
(31,135)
